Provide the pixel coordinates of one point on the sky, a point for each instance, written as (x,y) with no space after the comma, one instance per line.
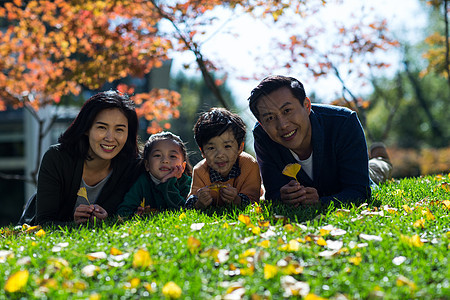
(237,52)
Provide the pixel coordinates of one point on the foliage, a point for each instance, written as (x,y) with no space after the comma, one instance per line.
(410,162)
(55,48)
(197,98)
(438,55)
(394,247)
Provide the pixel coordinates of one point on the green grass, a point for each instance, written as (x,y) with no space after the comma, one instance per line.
(405,259)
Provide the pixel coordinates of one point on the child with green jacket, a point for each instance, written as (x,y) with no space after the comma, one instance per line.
(167,181)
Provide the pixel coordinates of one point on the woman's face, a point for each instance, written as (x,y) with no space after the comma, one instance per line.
(108,134)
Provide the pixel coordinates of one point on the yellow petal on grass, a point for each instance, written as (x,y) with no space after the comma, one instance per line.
(17,281)
(426,212)
(181,216)
(356,260)
(289,228)
(31,229)
(270,271)
(321,241)
(419,223)
(142,259)
(264,244)
(245,219)
(446,204)
(115,251)
(407,208)
(95,296)
(134,282)
(193,244)
(249,252)
(446,186)
(402,280)
(256,230)
(291,170)
(40,233)
(142,203)
(171,290)
(314,297)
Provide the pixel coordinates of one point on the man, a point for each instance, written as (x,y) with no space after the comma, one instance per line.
(327,141)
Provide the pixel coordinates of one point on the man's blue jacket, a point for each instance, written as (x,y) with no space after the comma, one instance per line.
(340,158)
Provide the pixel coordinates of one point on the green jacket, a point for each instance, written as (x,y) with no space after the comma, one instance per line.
(167,195)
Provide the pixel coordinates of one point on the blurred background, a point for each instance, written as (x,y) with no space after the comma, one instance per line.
(387,60)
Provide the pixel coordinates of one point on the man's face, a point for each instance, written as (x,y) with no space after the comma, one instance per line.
(221,152)
(286,121)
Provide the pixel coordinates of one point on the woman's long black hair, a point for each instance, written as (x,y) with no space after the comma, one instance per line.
(76,142)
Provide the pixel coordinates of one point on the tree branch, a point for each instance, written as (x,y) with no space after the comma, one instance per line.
(198,57)
(447,43)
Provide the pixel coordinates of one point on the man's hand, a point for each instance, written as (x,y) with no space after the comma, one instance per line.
(229,195)
(204,198)
(295,194)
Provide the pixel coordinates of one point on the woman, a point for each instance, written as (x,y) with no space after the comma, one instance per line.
(87,174)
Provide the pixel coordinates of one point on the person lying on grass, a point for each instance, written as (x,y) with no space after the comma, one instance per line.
(167,181)
(85,177)
(327,141)
(227,175)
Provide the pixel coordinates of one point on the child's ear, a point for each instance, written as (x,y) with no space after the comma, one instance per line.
(241,148)
(147,165)
(183,166)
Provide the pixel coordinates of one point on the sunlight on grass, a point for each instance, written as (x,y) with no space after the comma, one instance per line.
(393,247)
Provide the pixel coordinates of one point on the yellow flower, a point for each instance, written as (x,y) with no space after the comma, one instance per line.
(115,251)
(256,230)
(270,271)
(171,290)
(321,242)
(40,233)
(17,281)
(291,170)
(264,244)
(193,244)
(142,259)
(245,219)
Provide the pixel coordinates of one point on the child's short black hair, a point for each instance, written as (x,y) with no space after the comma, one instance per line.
(215,122)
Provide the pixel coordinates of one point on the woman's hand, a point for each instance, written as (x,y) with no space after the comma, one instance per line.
(99,213)
(83,213)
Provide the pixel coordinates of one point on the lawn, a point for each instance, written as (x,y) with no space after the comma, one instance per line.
(395,247)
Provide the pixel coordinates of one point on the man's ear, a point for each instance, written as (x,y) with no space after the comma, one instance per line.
(307,104)
(201,151)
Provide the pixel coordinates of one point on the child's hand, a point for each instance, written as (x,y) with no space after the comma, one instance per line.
(229,195)
(204,198)
(175,172)
(141,210)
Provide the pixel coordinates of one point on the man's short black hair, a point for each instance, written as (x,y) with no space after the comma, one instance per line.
(271,84)
(215,122)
